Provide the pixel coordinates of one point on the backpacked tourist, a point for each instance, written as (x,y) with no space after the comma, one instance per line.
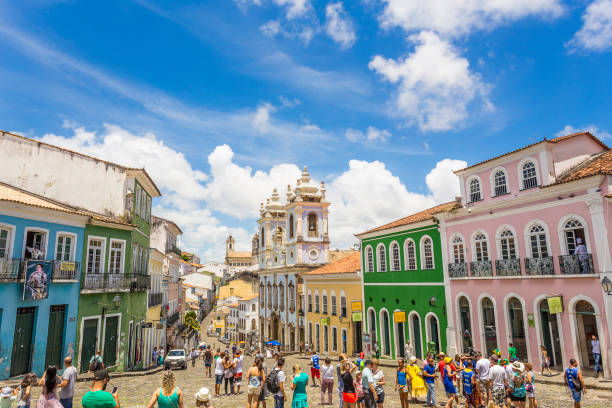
(575,382)
(169,395)
(529,385)
(208,358)
(518,393)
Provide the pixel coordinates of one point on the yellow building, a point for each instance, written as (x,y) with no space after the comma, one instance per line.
(334,306)
(219,318)
(238,287)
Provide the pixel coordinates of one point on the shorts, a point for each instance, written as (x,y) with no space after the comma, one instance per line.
(403,389)
(207,364)
(469,400)
(576,395)
(254,390)
(349,397)
(449,388)
(238,378)
(515,398)
(314,372)
(380,398)
(531,394)
(219,379)
(360,399)
(499,395)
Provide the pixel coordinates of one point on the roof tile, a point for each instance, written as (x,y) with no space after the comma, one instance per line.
(348,264)
(418,217)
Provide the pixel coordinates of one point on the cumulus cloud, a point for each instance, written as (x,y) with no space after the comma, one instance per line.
(435,84)
(442,182)
(596,31)
(295,8)
(458,17)
(594,130)
(339,26)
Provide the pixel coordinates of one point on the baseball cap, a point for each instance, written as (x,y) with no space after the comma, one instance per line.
(101,375)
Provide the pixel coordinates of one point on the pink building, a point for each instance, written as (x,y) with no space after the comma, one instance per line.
(512,246)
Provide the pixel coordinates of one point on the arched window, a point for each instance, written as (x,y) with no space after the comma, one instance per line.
(343,310)
(253,307)
(574,235)
(427,259)
(465,318)
(291,226)
(489,328)
(475,194)
(317,303)
(395,257)
(537,242)
(501,184)
(324,302)
(382,258)
(269,296)
(410,255)
(369,259)
(481,249)
(334,304)
(313,227)
(530,177)
(263,240)
(507,244)
(372,323)
(281,290)
(458,250)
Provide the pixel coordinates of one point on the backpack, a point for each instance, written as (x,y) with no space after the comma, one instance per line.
(272,382)
(95,365)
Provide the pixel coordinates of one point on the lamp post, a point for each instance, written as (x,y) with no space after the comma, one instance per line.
(115,305)
(606,284)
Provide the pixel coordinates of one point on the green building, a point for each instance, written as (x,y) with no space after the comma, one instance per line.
(114,283)
(403,284)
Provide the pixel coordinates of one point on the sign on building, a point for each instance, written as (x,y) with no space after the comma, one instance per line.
(36,282)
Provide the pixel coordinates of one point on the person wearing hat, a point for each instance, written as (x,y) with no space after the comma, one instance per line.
(449,387)
(97,396)
(418,383)
(202,398)
(518,392)
(7,397)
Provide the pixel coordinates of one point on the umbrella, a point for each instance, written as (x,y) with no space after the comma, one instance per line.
(273,343)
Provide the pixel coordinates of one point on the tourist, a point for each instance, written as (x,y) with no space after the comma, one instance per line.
(341,359)
(429,372)
(255,380)
(298,385)
(7,397)
(367,379)
(50,381)
(97,396)
(408,351)
(379,382)
(545,360)
(512,352)
(499,382)
(458,366)
(202,398)
(403,383)
(327,381)
(376,350)
(349,394)
(518,393)
(449,387)
(279,397)
(193,355)
(441,364)
(418,383)
(469,385)
(218,372)
(314,369)
(596,350)
(575,382)
(482,371)
(228,374)
(238,371)
(529,385)
(96,363)
(359,390)
(208,358)
(169,395)
(154,356)
(24,391)
(68,380)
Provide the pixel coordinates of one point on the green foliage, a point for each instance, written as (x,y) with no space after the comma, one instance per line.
(185,258)
(191,320)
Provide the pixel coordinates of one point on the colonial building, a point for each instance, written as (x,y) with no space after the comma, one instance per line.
(292,238)
(155,329)
(334,306)
(529,248)
(404,285)
(248,319)
(237,260)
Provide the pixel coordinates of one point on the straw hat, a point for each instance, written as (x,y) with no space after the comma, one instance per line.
(518,366)
(202,395)
(413,359)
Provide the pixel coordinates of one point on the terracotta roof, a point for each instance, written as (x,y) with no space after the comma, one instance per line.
(601,164)
(418,217)
(554,140)
(237,254)
(348,264)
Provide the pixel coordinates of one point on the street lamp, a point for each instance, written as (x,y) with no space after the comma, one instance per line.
(606,284)
(115,305)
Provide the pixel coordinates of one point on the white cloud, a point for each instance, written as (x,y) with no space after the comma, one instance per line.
(457,17)
(261,117)
(271,28)
(374,134)
(295,8)
(435,83)
(339,26)
(442,182)
(354,135)
(595,131)
(596,32)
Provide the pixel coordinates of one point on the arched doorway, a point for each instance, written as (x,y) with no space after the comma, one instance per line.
(465,319)
(517,328)
(432,327)
(400,336)
(416,335)
(372,324)
(292,337)
(550,334)
(586,326)
(274,334)
(489,328)
(386,337)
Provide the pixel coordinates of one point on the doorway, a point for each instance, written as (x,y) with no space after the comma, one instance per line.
(489,327)
(434,338)
(401,339)
(357,336)
(466,324)
(55,336)
(110,341)
(586,326)
(550,335)
(88,342)
(21,357)
(517,328)
(386,338)
(416,336)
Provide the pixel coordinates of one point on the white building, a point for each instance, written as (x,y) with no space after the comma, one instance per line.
(198,288)
(231,322)
(218,268)
(248,319)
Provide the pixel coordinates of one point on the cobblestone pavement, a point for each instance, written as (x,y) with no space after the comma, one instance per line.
(135,392)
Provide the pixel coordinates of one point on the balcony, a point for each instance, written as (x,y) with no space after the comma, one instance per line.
(481,269)
(155,299)
(539,266)
(106,281)
(64,270)
(576,264)
(508,267)
(140,282)
(11,270)
(457,270)
(173,318)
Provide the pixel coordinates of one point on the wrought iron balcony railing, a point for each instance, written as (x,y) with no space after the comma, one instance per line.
(66,270)
(480,269)
(539,266)
(140,281)
(155,299)
(11,270)
(457,270)
(102,281)
(508,267)
(581,264)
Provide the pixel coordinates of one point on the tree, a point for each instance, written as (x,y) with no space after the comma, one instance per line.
(191,320)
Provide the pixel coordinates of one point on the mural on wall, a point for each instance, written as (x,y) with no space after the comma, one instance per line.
(37,275)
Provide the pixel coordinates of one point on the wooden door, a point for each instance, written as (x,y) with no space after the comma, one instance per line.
(110,341)
(55,336)
(22,341)
(88,342)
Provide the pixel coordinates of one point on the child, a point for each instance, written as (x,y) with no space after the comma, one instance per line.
(545,361)
(24,390)
(359,390)
(7,397)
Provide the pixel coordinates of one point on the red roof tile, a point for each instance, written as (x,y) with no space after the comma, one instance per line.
(348,264)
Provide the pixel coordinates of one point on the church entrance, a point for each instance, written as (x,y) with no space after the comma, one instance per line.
(274,334)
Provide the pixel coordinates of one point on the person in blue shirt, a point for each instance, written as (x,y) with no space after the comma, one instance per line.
(469,383)
(314,369)
(573,373)
(429,373)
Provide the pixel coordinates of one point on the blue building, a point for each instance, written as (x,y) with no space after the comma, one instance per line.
(41,245)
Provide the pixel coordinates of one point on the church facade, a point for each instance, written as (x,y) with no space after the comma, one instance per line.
(292,239)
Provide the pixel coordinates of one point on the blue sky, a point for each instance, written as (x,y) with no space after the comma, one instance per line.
(222,101)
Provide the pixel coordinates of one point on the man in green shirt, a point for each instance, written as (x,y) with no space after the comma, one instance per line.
(511,352)
(97,396)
